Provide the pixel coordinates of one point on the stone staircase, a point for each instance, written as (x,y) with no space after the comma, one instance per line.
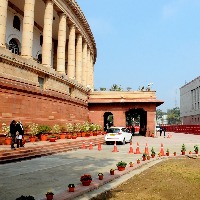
(45,149)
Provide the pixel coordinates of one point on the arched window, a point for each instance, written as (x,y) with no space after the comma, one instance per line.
(39,59)
(16,23)
(13,46)
(41,40)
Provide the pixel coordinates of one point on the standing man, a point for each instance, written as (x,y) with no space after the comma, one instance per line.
(20,130)
(13,131)
(160,131)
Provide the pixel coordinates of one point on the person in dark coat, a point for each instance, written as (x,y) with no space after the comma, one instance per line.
(13,131)
(161,131)
(20,130)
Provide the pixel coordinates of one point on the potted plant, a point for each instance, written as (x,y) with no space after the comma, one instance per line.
(153,153)
(152,134)
(49,195)
(121,165)
(6,131)
(196,149)
(148,157)
(167,152)
(183,149)
(77,129)
(34,129)
(138,161)
(85,128)
(86,179)
(25,198)
(174,153)
(70,130)
(100,176)
(144,156)
(190,152)
(112,171)
(43,130)
(71,187)
(74,135)
(131,164)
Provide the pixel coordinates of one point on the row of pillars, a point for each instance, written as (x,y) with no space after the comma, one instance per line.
(80,59)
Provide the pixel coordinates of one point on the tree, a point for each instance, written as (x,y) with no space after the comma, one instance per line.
(102,89)
(115,87)
(173,116)
(159,114)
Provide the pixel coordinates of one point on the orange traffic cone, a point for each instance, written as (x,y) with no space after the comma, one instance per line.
(146,149)
(83,145)
(115,148)
(91,147)
(131,147)
(99,146)
(162,153)
(137,149)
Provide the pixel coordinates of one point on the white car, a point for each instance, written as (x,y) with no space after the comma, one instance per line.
(118,134)
(157,128)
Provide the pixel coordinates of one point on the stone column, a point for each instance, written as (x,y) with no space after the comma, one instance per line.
(88,70)
(3,20)
(61,44)
(79,53)
(92,74)
(47,34)
(71,52)
(28,24)
(84,72)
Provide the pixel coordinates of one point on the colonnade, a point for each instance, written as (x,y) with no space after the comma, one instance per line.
(80,57)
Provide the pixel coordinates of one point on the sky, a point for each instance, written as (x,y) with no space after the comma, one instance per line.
(145,41)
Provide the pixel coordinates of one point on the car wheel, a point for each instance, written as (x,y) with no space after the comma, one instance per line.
(107,142)
(131,139)
(124,142)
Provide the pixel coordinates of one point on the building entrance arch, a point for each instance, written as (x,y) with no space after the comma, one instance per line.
(108,120)
(137,116)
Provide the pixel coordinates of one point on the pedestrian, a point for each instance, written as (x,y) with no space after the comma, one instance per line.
(164,130)
(13,131)
(160,131)
(20,130)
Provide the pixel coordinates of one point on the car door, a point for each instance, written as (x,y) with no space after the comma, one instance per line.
(127,134)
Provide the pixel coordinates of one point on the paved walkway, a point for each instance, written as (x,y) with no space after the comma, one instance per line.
(36,176)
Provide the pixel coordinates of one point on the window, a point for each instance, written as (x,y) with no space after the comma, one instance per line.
(39,58)
(41,40)
(13,46)
(41,82)
(16,23)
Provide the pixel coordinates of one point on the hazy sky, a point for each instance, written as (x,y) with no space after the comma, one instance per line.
(146,41)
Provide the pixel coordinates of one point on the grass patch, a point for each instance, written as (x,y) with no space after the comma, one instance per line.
(172,179)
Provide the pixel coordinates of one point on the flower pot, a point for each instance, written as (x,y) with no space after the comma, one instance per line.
(83,134)
(120,168)
(74,137)
(69,136)
(49,196)
(71,189)
(52,139)
(86,183)
(183,152)
(174,153)
(43,137)
(32,139)
(62,136)
(167,153)
(143,158)
(148,157)
(131,164)
(8,141)
(152,155)
(197,152)
(100,177)
(112,172)
(79,135)
(138,161)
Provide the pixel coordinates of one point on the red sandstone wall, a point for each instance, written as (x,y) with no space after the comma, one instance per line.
(96,113)
(39,108)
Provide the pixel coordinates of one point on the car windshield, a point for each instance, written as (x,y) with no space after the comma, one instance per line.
(113,130)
